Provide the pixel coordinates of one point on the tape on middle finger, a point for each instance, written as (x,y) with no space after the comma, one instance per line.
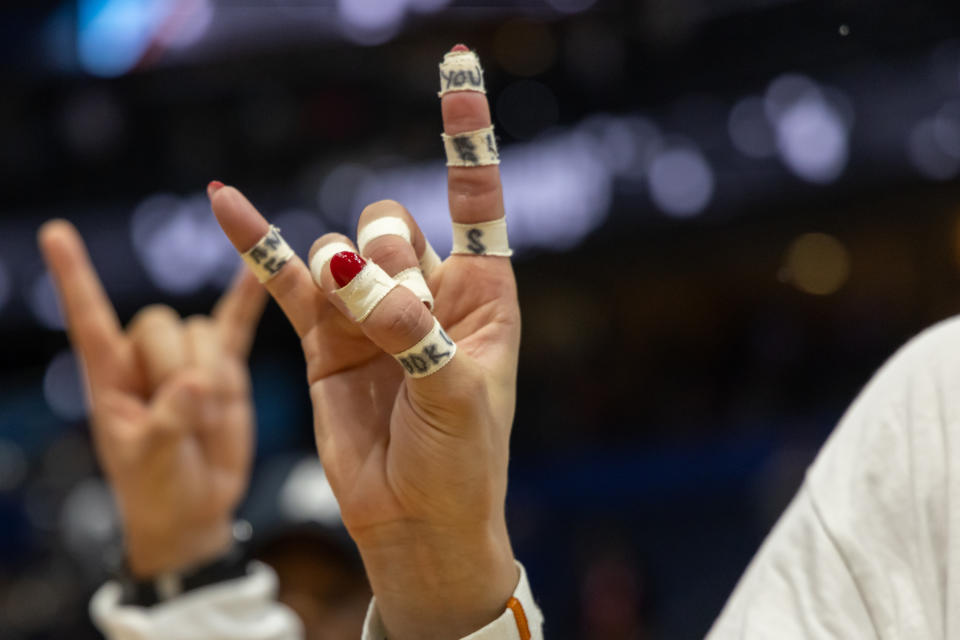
(386,226)
(268,256)
(362,294)
(471,148)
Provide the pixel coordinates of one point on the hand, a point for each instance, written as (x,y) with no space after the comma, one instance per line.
(418,465)
(170,408)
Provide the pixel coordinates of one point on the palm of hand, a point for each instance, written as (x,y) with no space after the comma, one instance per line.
(386,449)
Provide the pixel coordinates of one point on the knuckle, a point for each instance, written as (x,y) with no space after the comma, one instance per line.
(153,314)
(392,253)
(405,323)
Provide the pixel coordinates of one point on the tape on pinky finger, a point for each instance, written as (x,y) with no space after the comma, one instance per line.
(268,256)
(429,355)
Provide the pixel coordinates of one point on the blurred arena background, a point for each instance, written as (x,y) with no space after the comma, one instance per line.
(727,215)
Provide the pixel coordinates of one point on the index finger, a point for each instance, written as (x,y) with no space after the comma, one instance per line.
(238,311)
(475,193)
(291,286)
(91,320)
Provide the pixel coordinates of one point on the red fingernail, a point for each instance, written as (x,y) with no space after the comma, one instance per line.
(345,266)
(460,47)
(213,187)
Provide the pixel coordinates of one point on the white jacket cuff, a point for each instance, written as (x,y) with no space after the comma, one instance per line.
(521,620)
(241,609)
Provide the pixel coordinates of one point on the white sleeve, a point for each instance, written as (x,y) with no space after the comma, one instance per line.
(870,547)
(241,609)
(521,620)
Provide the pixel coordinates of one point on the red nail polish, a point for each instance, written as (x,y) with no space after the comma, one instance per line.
(213,187)
(460,47)
(345,266)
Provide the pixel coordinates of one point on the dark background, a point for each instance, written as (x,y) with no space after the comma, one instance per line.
(727,215)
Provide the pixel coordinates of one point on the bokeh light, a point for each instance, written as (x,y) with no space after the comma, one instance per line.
(524,47)
(44,304)
(306,495)
(88,517)
(750,130)
(930,155)
(812,133)
(180,244)
(816,263)
(681,181)
(63,387)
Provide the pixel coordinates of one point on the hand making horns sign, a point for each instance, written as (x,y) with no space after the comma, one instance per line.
(170,408)
(412,409)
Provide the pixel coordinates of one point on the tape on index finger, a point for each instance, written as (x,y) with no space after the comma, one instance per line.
(268,256)
(471,148)
(461,71)
(428,356)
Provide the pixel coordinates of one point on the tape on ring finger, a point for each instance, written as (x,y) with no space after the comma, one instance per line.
(471,148)
(428,356)
(268,256)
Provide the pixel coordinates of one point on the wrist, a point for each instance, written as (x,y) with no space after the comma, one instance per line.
(439,584)
(152,553)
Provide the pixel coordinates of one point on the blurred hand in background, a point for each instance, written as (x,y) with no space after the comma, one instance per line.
(170,407)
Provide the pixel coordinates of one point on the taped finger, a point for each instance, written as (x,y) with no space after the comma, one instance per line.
(391,316)
(388,235)
(268,256)
(477,148)
(481,239)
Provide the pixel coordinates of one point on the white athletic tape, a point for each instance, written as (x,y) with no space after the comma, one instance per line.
(268,256)
(366,290)
(471,148)
(482,239)
(412,279)
(429,355)
(460,71)
(322,257)
(429,260)
(386,226)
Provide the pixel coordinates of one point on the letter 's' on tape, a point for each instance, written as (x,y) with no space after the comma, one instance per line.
(482,239)
(460,71)
(429,355)
(366,290)
(412,279)
(471,148)
(322,257)
(386,226)
(268,256)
